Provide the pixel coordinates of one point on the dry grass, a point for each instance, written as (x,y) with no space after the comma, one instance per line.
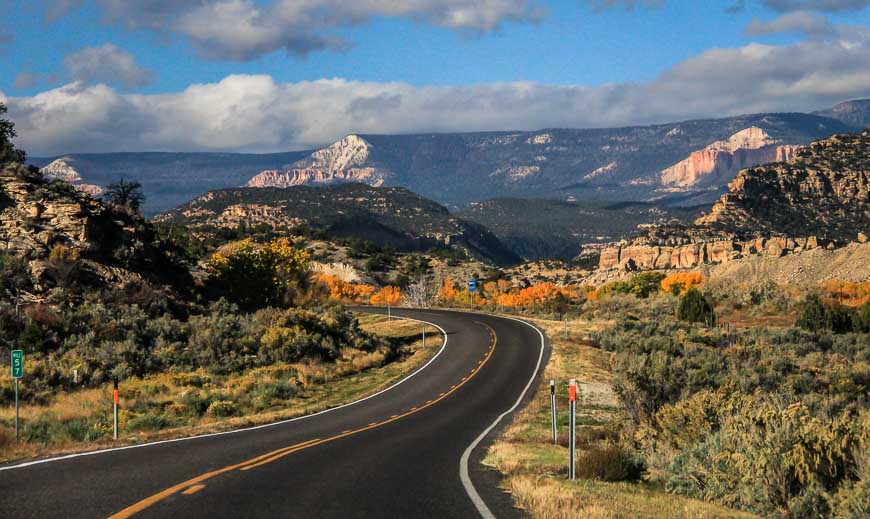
(164,406)
(535,468)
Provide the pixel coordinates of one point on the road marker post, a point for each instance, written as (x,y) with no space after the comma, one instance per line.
(566,326)
(572,432)
(553,408)
(424,337)
(17,373)
(115,395)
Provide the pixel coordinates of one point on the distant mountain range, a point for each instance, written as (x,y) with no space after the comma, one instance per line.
(685,163)
(168,179)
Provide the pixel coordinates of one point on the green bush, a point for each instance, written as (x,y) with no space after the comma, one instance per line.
(695,308)
(819,315)
(222,408)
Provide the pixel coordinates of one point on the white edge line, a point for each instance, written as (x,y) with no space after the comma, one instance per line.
(484,510)
(234,431)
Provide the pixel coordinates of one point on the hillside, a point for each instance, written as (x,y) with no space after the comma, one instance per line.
(168,179)
(824,191)
(853,113)
(385,216)
(600,164)
(540,228)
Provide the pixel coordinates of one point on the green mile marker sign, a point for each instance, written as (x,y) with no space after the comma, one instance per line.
(17,363)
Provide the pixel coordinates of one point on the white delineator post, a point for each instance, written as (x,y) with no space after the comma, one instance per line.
(572,433)
(553,407)
(424,337)
(566,327)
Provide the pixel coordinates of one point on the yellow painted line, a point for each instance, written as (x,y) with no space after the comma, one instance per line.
(428,401)
(193,490)
(413,409)
(463,378)
(280,453)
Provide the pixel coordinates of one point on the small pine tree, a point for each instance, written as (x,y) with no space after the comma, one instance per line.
(812,316)
(695,308)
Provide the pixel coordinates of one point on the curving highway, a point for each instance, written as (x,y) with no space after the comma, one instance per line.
(412,450)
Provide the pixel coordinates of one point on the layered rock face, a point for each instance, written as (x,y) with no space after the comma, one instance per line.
(60,169)
(824,191)
(720,161)
(343,161)
(30,225)
(644,256)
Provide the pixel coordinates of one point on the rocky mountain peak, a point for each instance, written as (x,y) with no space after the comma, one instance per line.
(348,160)
(351,151)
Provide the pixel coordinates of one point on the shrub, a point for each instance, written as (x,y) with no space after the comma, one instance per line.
(820,315)
(695,308)
(610,463)
(222,408)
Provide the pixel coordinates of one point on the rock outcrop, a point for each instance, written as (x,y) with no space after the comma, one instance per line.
(113,247)
(343,161)
(720,161)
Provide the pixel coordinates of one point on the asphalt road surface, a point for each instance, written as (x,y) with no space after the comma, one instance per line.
(402,453)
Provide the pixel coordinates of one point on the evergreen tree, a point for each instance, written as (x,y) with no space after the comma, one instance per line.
(695,308)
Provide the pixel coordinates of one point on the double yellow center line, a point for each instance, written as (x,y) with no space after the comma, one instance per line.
(195,484)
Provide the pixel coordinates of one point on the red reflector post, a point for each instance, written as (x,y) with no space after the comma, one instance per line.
(572,390)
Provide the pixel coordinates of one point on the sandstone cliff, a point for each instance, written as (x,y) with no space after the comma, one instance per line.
(721,160)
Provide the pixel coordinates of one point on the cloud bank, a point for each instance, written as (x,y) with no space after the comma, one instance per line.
(256,113)
(243,30)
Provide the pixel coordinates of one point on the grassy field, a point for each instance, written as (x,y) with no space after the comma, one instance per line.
(535,469)
(182,404)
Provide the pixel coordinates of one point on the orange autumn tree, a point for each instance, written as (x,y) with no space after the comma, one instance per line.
(847,292)
(681,282)
(447,292)
(343,291)
(389,296)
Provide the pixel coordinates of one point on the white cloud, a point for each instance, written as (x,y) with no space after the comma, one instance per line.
(813,25)
(107,64)
(243,30)
(256,113)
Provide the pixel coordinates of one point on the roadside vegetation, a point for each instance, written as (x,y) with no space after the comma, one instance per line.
(701,401)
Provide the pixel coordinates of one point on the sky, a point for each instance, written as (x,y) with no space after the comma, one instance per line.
(276,75)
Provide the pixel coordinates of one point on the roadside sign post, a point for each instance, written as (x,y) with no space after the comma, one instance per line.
(17,373)
(472,288)
(553,407)
(115,395)
(572,433)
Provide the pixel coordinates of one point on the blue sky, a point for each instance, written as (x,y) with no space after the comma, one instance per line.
(101,56)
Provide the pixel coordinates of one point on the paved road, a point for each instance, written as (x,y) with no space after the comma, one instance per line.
(396,454)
